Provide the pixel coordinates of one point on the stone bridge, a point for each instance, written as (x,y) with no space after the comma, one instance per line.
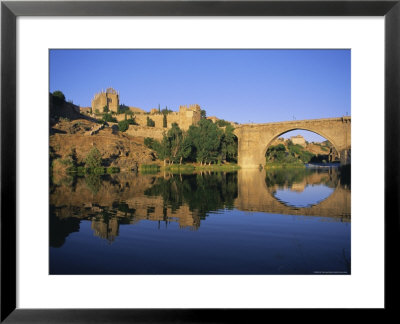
(254,139)
(254,195)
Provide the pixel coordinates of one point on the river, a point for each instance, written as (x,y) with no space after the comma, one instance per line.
(287,221)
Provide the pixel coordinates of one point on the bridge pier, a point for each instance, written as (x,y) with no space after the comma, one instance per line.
(345,157)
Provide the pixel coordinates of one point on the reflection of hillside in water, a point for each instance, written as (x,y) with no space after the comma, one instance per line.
(126,198)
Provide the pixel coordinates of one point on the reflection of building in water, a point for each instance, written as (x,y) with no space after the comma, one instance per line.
(299,187)
(153,208)
(116,203)
(106,229)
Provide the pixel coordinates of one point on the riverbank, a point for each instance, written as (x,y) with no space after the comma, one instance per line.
(277,165)
(187,168)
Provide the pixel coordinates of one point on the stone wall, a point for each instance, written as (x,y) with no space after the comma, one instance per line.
(186,117)
(85,110)
(144,131)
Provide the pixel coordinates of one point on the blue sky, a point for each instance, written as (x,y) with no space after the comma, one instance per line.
(244,86)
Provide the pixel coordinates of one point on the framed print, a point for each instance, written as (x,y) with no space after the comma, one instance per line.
(192,159)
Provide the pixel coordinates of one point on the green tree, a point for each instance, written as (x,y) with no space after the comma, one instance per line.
(59,95)
(150,122)
(174,140)
(105,109)
(276,153)
(72,156)
(202,114)
(161,148)
(206,137)
(166,111)
(165,121)
(185,149)
(122,109)
(93,159)
(229,145)
(222,123)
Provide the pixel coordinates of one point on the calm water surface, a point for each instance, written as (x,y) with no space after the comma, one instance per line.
(245,222)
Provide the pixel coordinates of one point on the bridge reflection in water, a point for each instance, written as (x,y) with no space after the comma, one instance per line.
(256,193)
(128,199)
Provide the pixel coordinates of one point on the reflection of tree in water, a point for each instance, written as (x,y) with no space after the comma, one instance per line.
(60,228)
(327,176)
(201,192)
(286,177)
(124,208)
(93,182)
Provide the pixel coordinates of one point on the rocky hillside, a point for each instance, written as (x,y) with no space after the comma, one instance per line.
(117,149)
(322,148)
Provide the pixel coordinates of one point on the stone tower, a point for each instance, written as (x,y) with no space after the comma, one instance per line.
(189,116)
(109,98)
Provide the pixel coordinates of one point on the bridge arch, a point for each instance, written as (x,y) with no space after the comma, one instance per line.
(298,128)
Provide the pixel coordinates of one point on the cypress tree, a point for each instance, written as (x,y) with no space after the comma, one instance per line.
(165,121)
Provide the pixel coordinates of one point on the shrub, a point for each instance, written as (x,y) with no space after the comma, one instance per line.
(132,121)
(149,168)
(93,159)
(123,125)
(148,141)
(109,118)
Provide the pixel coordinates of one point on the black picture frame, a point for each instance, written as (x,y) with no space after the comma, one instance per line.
(10,10)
